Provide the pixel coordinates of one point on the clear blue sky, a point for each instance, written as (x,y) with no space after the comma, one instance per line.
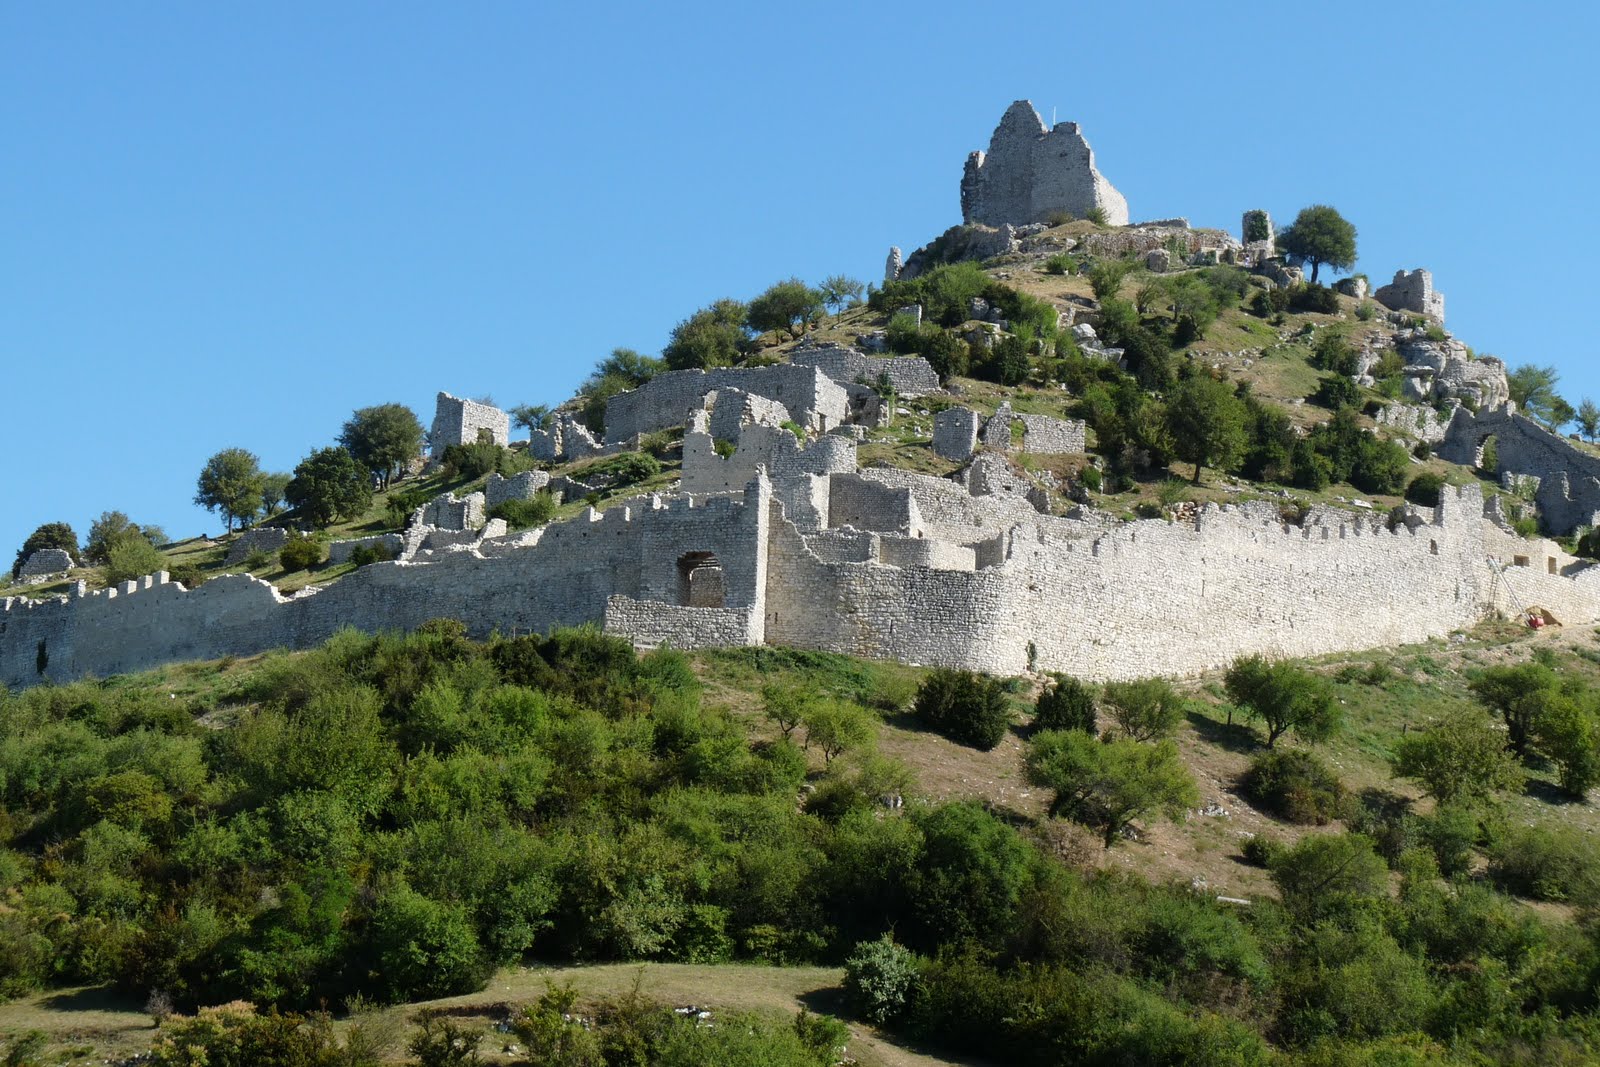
(230,225)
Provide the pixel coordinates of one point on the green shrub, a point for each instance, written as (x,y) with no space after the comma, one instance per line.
(1294,785)
(904,333)
(1065,704)
(131,556)
(625,468)
(1336,391)
(970,709)
(1313,297)
(880,978)
(472,460)
(300,554)
(1060,263)
(1260,850)
(1425,488)
(1366,310)
(520,514)
(1547,863)
(1145,710)
(376,552)
(1111,784)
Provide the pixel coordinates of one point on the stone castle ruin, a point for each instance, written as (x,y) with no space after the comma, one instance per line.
(1032,172)
(775,534)
(785,540)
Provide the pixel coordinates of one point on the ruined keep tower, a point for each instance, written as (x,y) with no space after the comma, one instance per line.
(1031,172)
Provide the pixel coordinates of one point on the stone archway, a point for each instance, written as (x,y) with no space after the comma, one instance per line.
(700,580)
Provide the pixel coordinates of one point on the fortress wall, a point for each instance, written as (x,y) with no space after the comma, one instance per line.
(1154,597)
(666,400)
(1538,573)
(868,505)
(564,578)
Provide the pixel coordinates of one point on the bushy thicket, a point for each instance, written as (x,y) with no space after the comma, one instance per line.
(970,709)
(391,817)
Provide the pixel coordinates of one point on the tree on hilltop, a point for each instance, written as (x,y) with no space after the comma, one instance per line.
(790,305)
(635,368)
(272,487)
(840,291)
(714,336)
(530,416)
(230,484)
(383,439)
(329,484)
(50,535)
(1319,235)
(1588,419)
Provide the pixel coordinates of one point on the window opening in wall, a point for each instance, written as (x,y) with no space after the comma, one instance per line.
(1550,564)
(1520,561)
(700,580)
(1433,547)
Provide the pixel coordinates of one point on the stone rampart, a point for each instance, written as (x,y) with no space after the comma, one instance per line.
(390,545)
(955,434)
(908,375)
(643,549)
(811,398)
(522,486)
(1124,601)
(1156,597)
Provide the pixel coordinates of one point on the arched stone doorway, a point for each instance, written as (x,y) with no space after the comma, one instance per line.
(700,580)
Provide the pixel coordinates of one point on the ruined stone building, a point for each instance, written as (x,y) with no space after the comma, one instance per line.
(1032,172)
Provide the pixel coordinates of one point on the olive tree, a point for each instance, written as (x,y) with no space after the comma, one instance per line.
(230,484)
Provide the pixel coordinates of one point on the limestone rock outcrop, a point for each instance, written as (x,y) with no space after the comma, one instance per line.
(1032,172)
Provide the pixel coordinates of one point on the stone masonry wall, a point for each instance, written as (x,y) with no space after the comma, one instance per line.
(1412,291)
(46,561)
(1155,597)
(1031,172)
(812,399)
(517,487)
(564,578)
(1569,478)
(909,375)
(955,434)
(457,422)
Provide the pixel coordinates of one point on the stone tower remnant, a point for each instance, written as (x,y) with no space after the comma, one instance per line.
(1032,172)
(1412,291)
(1255,227)
(894,264)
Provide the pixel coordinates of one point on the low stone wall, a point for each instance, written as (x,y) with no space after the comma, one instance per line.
(45,563)
(391,544)
(955,434)
(907,375)
(522,486)
(267,539)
